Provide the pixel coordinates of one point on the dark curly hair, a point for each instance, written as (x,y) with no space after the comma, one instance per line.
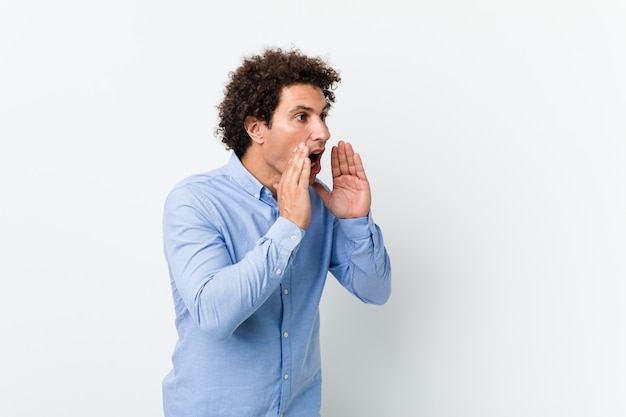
(254,90)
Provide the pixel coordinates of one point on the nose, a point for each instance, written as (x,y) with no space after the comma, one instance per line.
(320,131)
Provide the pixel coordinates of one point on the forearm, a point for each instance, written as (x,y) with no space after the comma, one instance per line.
(362,263)
(233,293)
(219,288)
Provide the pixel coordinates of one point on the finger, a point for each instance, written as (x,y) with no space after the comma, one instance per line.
(342,159)
(350,159)
(304,165)
(305,173)
(359,170)
(295,164)
(334,162)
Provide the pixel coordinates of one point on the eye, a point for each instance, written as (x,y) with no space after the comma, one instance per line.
(323,116)
(301,117)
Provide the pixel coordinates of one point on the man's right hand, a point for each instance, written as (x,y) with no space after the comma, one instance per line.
(292,192)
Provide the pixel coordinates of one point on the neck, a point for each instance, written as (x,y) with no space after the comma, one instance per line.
(254,163)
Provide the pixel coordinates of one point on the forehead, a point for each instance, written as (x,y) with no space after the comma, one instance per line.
(301,95)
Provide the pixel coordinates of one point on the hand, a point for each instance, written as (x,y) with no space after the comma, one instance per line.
(292,191)
(350,196)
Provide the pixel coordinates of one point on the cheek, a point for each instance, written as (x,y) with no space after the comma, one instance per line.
(280,159)
(284,141)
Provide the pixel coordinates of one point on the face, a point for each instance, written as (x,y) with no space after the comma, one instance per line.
(299,118)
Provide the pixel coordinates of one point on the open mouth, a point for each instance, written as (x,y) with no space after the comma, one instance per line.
(315,158)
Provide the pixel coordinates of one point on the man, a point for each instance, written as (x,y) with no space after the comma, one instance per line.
(249,246)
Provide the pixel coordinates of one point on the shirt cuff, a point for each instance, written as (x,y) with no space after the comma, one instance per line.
(358,228)
(285,233)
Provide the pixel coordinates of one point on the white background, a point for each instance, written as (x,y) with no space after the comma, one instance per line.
(494,135)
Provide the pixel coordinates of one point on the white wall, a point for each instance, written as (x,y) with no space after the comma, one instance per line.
(494,137)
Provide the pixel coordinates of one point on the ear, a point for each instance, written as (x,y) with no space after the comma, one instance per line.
(255,129)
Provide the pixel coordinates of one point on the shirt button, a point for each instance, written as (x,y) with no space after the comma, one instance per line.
(286,291)
(293,237)
(286,376)
(278,271)
(256,195)
(286,334)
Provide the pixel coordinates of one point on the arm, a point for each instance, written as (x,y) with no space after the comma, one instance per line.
(218,291)
(359,260)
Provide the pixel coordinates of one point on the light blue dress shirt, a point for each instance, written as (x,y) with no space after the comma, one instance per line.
(247,285)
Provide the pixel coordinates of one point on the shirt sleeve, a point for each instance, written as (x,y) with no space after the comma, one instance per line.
(360,261)
(218,292)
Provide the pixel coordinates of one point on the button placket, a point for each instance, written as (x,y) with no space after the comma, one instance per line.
(285,342)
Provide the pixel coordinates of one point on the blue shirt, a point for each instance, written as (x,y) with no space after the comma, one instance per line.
(247,285)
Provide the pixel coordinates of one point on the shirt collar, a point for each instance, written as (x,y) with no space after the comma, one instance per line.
(244,178)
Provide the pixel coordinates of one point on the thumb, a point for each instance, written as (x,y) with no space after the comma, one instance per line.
(321,191)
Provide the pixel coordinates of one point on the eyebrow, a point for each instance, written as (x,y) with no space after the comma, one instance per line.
(307,108)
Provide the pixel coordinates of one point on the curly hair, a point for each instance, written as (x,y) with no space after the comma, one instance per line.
(254,90)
